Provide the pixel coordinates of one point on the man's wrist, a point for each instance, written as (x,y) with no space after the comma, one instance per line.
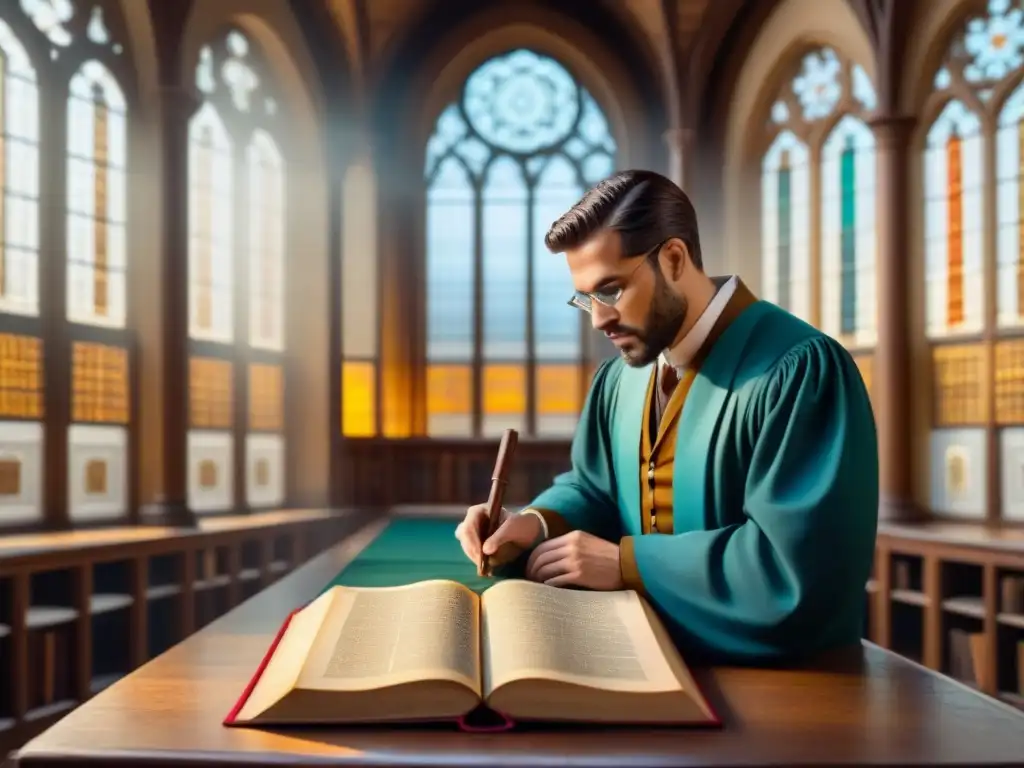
(543,524)
(628,568)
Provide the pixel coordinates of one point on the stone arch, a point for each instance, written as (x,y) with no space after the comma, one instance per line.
(424,76)
(793,27)
(613,98)
(272,25)
(634,108)
(142,44)
(936,23)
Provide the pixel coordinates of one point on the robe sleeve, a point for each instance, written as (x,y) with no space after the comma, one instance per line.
(584,497)
(789,580)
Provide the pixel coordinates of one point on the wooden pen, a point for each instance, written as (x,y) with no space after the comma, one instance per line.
(499,479)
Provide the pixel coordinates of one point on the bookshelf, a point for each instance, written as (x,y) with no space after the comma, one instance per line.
(951,596)
(81,609)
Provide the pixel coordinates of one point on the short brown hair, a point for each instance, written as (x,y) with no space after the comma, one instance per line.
(644,207)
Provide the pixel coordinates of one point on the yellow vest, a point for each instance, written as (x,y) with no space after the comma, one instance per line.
(657,458)
(658,452)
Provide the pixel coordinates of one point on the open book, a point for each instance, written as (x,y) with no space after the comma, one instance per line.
(435,650)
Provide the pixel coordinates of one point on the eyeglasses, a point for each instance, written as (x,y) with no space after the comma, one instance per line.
(610,297)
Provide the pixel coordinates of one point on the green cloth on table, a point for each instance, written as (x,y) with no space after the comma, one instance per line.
(410,550)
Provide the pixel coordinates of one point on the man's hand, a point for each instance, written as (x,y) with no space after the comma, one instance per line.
(576,559)
(515,534)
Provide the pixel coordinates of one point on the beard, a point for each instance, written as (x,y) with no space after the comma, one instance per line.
(664,319)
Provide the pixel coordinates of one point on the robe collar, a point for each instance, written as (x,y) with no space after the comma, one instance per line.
(730,299)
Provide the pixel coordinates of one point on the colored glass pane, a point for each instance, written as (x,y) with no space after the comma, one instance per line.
(99,383)
(556,325)
(97,205)
(848,293)
(786,224)
(817,85)
(505,255)
(504,398)
(266,242)
(449,399)
(512,156)
(504,389)
(211,228)
(19,178)
(1010,210)
(358,398)
(21,376)
(211,393)
(266,397)
(558,390)
(953,174)
(450,264)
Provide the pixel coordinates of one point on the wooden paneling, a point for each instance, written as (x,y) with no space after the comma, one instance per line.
(381,473)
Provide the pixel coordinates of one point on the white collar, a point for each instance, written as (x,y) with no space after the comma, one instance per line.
(682,353)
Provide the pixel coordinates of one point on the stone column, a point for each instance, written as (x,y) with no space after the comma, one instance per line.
(892,374)
(678,141)
(177,105)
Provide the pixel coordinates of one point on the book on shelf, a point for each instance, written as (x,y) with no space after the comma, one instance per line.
(435,650)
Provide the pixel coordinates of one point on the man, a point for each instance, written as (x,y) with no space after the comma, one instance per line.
(725,464)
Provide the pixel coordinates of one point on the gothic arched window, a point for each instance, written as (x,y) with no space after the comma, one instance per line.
(820,147)
(504,349)
(974,263)
(236,216)
(63,136)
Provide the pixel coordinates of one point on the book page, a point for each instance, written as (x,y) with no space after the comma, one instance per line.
(378,637)
(597,639)
(285,666)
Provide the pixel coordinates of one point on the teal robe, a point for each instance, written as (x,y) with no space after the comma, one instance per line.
(775,491)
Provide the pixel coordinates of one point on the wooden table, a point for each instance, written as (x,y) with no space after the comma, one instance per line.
(873,708)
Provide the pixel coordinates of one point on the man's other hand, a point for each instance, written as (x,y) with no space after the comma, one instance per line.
(576,559)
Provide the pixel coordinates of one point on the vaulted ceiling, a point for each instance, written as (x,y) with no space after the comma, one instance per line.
(679,40)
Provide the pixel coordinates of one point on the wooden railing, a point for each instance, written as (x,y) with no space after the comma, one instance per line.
(378,472)
(80,609)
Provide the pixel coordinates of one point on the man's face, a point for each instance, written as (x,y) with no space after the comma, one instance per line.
(646,312)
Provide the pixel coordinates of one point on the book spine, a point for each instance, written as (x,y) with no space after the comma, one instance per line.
(230,719)
(475,722)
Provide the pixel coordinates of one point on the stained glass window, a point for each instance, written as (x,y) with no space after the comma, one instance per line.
(990,52)
(953,222)
(19,178)
(820,112)
(51,18)
(97,198)
(359,403)
(1010,209)
(21,377)
(848,304)
(982,57)
(237,216)
(520,147)
(786,224)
